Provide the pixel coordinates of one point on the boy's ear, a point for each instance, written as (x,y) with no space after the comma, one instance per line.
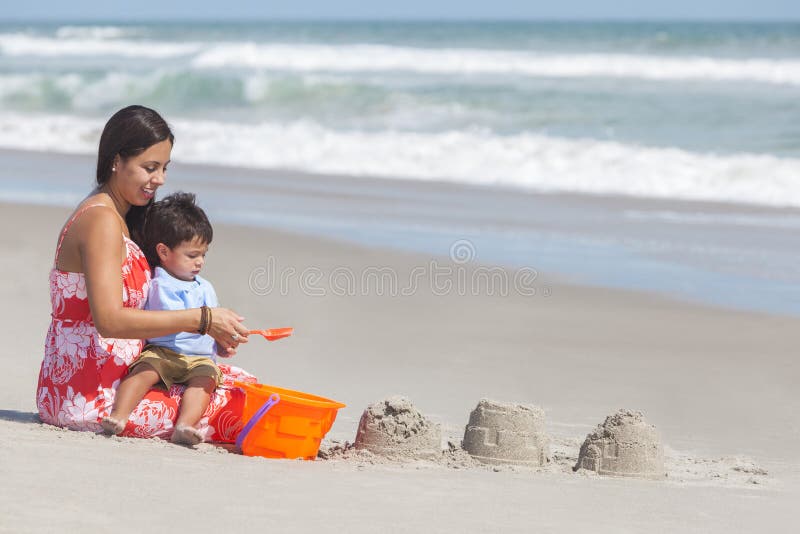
(162,250)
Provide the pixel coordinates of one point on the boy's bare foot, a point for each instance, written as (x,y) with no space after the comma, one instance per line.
(186,435)
(112,426)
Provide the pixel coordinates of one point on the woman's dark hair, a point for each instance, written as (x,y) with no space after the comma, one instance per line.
(129,132)
(173,220)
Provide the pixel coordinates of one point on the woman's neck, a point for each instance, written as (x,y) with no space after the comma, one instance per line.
(120,205)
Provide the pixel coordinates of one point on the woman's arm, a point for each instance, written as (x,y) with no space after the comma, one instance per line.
(100,242)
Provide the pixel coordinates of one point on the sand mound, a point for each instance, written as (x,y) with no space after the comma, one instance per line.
(624,445)
(499,433)
(394,427)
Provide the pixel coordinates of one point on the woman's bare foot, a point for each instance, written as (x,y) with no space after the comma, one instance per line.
(186,435)
(112,426)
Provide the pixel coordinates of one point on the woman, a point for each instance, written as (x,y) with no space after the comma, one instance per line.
(98,286)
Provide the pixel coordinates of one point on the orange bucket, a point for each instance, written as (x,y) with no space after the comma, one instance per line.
(282,423)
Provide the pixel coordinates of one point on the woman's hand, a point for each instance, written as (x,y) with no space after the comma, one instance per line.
(227,330)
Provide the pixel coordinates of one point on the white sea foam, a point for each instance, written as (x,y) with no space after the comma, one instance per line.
(17,83)
(87,92)
(113,88)
(33,84)
(377,58)
(24,45)
(60,133)
(96,32)
(524,161)
(109,42)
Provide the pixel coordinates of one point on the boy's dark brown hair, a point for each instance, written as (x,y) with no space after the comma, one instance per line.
(173,220)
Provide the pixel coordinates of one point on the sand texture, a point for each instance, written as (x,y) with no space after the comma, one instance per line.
(720,387)
(624,445)
(394,427)
(503,433)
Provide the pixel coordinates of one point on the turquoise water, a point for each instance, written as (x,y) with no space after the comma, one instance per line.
(673,110)
(327,73)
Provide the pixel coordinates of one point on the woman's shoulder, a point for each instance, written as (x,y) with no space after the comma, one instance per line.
(93,215)
(93,226)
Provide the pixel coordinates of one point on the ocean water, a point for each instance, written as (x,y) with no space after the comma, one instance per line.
(659,112)
(669,110)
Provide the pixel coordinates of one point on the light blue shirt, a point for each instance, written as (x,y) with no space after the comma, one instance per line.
(169,293)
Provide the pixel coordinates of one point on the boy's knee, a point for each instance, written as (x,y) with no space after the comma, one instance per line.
(144,372)
(206,383)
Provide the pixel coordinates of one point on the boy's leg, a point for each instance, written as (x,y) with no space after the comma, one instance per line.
(194,402)
(132,390)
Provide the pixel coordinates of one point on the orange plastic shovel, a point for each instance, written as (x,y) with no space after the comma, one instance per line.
(273,334)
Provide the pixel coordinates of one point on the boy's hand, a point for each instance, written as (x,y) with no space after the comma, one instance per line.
(227,330)
(222,352)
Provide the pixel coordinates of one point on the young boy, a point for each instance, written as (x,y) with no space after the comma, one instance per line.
(176,238)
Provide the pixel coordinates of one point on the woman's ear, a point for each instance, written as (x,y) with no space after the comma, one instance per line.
(163,251)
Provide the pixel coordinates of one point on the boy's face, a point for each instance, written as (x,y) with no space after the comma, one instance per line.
(185,260)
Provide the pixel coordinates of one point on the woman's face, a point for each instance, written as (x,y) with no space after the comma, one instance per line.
(137,178)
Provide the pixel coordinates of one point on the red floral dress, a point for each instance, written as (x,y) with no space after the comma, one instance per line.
(81,369)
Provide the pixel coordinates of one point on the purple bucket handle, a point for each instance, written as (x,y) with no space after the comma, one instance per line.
(272,401)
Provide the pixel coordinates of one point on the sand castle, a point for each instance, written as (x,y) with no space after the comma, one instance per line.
(505,433)
(499,433)
(394,427)
(624,445)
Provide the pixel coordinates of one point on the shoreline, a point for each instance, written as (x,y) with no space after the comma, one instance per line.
(548,281)
(693,252)
(272,173)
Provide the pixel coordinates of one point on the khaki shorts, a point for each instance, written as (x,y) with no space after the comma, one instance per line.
(176,368)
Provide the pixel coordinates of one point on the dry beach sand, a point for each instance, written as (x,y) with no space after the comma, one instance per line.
(719,386)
